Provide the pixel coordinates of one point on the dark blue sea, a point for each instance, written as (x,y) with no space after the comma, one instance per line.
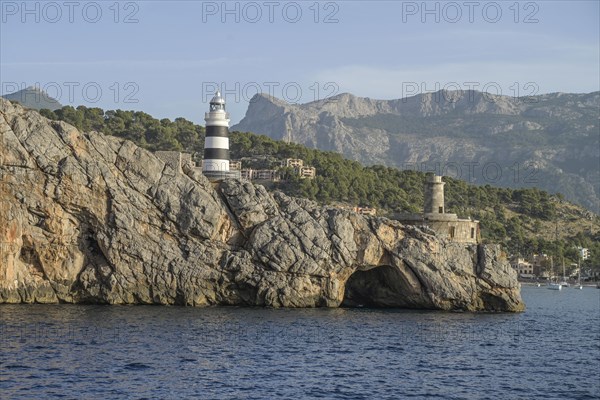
(552,351)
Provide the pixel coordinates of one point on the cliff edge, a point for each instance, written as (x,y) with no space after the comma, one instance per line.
(89,218)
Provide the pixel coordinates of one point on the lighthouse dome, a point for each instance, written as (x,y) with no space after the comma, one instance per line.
(217,99)
(217,103)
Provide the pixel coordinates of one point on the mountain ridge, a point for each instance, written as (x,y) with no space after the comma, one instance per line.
(553,137)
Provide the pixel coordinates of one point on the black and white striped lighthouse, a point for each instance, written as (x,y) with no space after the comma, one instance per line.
(215,164)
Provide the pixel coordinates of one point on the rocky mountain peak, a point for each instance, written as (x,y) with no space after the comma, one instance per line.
(34,98)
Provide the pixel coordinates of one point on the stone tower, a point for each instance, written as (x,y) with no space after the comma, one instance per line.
(435,217)
(434,195)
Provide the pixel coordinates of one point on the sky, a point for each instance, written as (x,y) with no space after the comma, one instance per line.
(168,57)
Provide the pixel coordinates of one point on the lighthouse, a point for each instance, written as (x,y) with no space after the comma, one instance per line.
(215,164)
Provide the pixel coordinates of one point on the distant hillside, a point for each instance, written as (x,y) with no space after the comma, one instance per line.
(34,98)
(550,141)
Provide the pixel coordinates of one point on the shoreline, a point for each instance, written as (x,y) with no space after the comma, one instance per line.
(528,283)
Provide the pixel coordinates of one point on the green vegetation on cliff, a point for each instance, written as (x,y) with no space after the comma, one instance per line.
(525,221)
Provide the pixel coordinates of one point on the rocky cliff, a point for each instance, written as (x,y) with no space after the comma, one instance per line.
(549,141)
(89,218)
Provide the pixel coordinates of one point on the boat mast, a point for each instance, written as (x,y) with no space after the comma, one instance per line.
(579,267)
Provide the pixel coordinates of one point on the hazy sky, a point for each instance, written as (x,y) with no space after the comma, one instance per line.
(165,58)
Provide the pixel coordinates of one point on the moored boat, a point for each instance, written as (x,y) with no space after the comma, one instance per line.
(554,286)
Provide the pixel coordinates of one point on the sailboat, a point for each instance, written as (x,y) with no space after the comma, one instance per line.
(579,285)
(564,279)
(553,285)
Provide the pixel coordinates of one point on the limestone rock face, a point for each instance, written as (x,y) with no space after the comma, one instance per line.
(89,218)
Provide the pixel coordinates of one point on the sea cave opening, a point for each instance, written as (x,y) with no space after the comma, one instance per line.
(379,287)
